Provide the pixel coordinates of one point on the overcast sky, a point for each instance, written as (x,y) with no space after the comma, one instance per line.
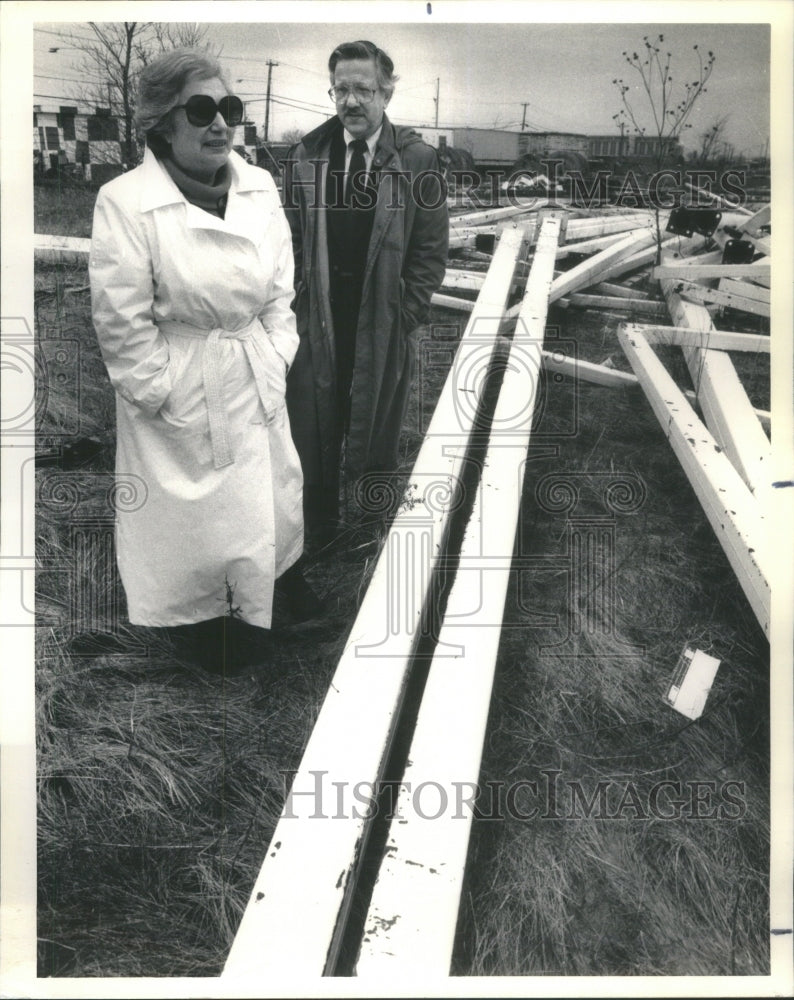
(486,71)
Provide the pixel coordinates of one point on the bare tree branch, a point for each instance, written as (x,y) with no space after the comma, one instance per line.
(113,58)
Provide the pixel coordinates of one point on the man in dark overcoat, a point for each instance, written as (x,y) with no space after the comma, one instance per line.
(370,227)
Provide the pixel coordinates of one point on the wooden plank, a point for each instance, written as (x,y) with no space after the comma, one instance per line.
(682,245)
(299,903)
(645,307)
(581,234)
(609,288)
(588,246)
(488,216)
(470,281)
(717,296)
(753,224)
(60,249)
(589,271)
(764,416)
(734,513)
(726,407)
(581,229)
(745,289)
(451,302)
(696,272)
(410,925)
(587,371)
(717,199)
(711,339)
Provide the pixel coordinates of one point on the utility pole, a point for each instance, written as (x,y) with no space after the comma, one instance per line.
(270,65)
(438,83)
(524,119)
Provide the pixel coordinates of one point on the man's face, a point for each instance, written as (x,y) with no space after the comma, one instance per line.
(359,118)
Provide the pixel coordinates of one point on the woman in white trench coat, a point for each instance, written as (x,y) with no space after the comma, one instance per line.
(191,272)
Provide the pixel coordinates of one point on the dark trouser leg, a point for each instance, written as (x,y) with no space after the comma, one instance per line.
(301,601)
(320,514)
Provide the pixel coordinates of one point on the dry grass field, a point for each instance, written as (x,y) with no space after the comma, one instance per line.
(159,784)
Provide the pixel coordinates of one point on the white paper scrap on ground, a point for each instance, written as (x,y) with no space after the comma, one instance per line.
(694,675)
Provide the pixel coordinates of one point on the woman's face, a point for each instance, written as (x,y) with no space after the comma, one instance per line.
(200,150)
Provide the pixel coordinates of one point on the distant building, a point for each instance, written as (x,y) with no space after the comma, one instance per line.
(490,147)
(67,136)
(612,145)
(493,147)
(92,142)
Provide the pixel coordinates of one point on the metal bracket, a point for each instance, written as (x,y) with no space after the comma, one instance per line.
(684,221)
(738,252)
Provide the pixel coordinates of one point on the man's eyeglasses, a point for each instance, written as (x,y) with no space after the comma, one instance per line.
(201,110)
(364,95)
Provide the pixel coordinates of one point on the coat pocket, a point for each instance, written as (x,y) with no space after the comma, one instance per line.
(271,375)
(185,407)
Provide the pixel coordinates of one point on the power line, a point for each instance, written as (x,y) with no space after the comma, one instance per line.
(62,34)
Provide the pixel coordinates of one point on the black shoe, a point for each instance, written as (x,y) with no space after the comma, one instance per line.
(301,601)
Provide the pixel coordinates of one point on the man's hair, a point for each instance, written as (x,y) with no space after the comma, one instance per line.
(160,84)
(384,67)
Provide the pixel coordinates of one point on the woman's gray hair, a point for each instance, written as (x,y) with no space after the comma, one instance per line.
(160,83)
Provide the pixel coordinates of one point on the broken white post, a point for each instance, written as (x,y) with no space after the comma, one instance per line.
(589,271)
(728,411)
(734,513)
(752,225)
(587,371)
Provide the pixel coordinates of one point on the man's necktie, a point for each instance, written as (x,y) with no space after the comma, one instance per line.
(358,166)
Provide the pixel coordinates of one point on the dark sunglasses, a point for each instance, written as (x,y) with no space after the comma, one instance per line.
(201,110)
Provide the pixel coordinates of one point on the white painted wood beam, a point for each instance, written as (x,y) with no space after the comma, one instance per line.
(694,271)
(587,371)
(299,903)
(645,307)
(723,399)
(595,268)
(717,296)
(718,200)
(410,926)
(60,249)
(711,339)
(734,513)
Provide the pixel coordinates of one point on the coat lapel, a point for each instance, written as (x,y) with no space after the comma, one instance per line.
(160,191)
